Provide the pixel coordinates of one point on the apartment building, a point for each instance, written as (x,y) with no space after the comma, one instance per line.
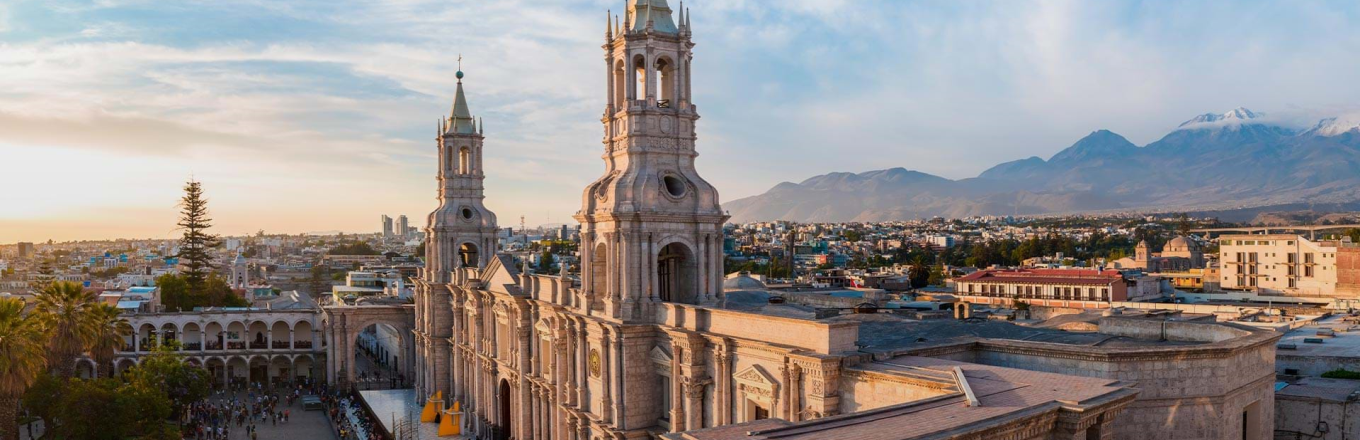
(1278,264)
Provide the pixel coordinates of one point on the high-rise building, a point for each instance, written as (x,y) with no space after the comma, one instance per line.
(403,228)
(386,226)
(25,250)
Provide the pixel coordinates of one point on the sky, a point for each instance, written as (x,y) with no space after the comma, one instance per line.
(319,115)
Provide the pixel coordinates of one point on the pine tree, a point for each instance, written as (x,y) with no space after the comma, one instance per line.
(194,246)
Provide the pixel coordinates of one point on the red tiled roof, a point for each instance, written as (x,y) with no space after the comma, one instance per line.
(1044,276)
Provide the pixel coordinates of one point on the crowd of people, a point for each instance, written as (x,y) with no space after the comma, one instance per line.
(239,411)
(244,410)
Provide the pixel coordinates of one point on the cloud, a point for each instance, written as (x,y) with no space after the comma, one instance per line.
(318,90)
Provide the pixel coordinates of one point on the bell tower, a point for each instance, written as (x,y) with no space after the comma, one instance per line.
(651,226)
(460,233)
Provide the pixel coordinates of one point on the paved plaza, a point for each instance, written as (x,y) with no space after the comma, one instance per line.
(301,425)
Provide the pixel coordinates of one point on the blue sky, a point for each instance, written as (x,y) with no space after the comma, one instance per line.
(319,115)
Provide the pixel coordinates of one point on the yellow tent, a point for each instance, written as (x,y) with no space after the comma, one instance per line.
(431,411)
(451,424)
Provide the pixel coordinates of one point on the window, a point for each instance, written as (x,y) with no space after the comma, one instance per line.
(761,413)
(665,385)
(463,155)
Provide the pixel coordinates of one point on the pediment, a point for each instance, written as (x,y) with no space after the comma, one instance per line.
(660,356)
(755,376)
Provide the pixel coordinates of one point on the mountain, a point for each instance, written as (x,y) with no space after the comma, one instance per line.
(1212,161)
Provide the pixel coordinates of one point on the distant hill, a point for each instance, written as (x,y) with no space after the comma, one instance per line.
(1222,161)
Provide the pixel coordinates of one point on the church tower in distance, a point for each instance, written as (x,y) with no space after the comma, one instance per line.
(460,233)
(651,227)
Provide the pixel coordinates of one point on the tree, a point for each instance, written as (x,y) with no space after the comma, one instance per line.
(21,362)
(174,291)
(106,338)
(163,370)
(194,246)
(63,309)
(918,274)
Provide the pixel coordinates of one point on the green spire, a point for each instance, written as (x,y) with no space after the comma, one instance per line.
(461,118)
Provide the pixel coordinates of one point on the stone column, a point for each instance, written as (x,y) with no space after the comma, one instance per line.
(292,341)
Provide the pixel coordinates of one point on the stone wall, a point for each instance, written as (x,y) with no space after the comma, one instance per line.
(1308,417)
(1197,392)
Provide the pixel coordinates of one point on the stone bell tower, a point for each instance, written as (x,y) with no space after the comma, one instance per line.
(460,233)
(651,227)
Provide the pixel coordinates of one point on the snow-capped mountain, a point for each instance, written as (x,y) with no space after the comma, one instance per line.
(1336,126)
(1213,161)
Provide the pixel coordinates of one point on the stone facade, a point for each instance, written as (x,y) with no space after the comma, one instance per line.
(234,345)
(646,342)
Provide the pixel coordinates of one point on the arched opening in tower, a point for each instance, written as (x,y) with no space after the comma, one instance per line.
(467,253)
(665,75)
(675,267)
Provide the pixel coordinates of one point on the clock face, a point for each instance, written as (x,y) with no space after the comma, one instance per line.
(594,361)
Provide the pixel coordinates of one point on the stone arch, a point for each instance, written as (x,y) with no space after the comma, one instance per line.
(504,411)
(147,336)
(86,368)
(677,278)
(620,72)
(121,365)
(468,254)
(640,76)
(302,334)
(345,323)
(665,70)
(279,335)
(257,335)
(191,336)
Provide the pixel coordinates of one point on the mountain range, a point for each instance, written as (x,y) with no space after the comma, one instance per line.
(1214,161)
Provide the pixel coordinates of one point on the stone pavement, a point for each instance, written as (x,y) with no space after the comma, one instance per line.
(308,425)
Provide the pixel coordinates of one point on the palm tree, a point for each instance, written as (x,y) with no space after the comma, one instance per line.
(21,361)
(106,337)
(63,308)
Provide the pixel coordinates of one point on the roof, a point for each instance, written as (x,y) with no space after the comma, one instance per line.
(640,11)
(1044,276)
(1006,394)
(129,304)
(461,117)
(1336,390)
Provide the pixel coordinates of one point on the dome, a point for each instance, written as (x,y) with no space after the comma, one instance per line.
(742,281)
(1178,243)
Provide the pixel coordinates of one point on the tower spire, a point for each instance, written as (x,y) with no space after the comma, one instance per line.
(608,26)
(461,117)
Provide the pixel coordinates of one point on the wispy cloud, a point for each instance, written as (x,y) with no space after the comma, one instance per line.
(334,102)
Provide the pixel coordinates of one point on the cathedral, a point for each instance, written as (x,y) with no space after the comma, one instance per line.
(651,340)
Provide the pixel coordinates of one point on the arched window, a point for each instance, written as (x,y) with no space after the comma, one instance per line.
(464,155)
(675,274)
(620,86)
(640,77)
(467,253)
(665,74)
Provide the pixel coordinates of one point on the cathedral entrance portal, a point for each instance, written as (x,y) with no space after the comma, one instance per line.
(503,404)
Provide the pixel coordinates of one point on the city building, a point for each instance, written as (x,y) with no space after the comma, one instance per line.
(274,341)
(1179,255)
(1045,284)
(386,226)
(648,342)
(403,227)
(1278,264)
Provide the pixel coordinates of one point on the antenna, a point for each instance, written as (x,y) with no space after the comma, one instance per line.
(460,61)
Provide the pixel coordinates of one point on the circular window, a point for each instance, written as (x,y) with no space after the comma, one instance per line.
(674,186)
(467,213)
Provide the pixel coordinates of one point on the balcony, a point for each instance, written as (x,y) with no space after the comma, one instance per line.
(214,345)
(259,345)
(302,344)
(193,346)
(236,345)
(280,345)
